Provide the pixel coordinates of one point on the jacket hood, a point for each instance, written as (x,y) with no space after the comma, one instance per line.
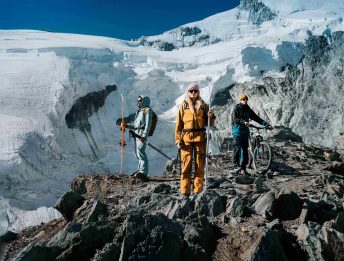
(145,101)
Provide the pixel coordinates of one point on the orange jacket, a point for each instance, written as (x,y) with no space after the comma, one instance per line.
(186,119)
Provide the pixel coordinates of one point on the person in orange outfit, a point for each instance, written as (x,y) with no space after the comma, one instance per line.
(190,138)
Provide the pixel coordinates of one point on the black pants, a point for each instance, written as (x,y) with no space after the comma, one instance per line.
(240,151)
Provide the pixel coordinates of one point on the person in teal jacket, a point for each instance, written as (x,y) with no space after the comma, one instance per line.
(241,116)
(141,126)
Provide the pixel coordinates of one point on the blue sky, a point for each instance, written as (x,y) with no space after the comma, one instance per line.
(124,19)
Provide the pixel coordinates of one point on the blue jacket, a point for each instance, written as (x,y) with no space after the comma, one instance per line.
(143,118)
(242,114)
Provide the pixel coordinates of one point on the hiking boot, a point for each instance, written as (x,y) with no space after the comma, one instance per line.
(236,170)
(140,175)
(185,198)
(198,196)
(244,172)
(134,173)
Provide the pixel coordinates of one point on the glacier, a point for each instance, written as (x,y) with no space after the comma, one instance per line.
(61,93)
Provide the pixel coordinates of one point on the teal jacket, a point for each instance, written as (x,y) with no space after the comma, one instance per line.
(242,114)
(143,118)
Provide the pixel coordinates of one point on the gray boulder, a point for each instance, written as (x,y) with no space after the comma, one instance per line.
(8,236)
(110,252)
(265,205)
(37,252)
(288,206)
(151,237)
(236,207)
(97,212)
(244,179)
(162,189)
(339,223)
(74,242)
(337,168)
(198,234)
(79,186)
(68,203)
(335,243)
(91,211)
(268,248)
(209,203)
(178,209)
(320,211)
(309,238)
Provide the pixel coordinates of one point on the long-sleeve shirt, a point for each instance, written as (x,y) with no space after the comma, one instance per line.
(143,119)
(242,114)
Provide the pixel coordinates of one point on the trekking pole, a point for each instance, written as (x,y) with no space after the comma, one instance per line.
(207,146)
(133,134)
(152,146)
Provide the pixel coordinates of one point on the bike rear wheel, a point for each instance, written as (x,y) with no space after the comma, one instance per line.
(262,158)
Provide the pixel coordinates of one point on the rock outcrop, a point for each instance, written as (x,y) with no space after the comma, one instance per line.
(305,96)
(295,212)
(258,12)
(180,37)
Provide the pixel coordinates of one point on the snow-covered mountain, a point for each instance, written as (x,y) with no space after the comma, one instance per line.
(60,93)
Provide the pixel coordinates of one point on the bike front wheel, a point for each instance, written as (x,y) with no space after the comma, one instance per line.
(262,158)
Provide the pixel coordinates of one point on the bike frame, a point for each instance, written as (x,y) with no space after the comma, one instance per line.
(255,141)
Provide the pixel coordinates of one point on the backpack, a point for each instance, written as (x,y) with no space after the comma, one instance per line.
(154,123)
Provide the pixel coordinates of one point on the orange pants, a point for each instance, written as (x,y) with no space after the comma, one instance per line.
(198,157)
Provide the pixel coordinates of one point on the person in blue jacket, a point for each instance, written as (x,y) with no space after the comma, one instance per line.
(241,116)
(141,126)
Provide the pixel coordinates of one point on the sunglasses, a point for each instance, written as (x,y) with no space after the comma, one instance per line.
(244,99)
(193,91)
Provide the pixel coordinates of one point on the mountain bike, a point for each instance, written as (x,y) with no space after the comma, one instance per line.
(259,151)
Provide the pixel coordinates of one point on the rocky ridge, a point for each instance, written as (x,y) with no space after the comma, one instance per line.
(258,12)
(254,11)
(305,96)
(293,213)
